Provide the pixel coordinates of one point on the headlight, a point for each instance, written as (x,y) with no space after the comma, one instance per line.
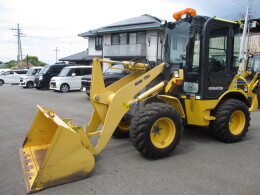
(176,73)
(40,77)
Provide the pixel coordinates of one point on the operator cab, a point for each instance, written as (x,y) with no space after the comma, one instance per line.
(207,50)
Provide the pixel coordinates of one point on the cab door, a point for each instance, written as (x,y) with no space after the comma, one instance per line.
(218,58)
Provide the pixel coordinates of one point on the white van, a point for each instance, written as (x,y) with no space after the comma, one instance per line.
(28,79)
(2,70)
(11,76)
(69,78)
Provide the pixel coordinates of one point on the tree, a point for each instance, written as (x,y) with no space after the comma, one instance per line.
(10,64)
(31,59)
(34,61)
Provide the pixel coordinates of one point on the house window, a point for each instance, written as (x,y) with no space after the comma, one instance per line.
(115,39)
(140,37)
(123,38)
(128,38)
(98,43)
(132,38)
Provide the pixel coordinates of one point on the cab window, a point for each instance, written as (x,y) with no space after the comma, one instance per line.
(218,49)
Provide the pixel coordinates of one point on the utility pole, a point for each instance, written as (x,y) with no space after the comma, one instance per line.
(243,40)
(56,54)
(27,61)
(19,44)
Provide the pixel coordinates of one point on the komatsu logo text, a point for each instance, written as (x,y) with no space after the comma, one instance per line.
(140,81)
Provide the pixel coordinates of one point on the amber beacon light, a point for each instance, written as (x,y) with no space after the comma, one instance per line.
(189,11)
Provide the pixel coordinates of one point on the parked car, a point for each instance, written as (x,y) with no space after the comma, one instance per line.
(69,78)
(28,79)
(111,75)
(43,78)
(11,76)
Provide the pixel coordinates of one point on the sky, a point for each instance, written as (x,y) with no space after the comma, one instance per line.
(51,24)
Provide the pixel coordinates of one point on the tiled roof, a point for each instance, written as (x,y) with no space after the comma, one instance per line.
(137,23)
(77,56)
(81,56)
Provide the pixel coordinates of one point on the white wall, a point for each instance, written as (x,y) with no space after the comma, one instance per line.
(91,47)
(154,37)
(107,39)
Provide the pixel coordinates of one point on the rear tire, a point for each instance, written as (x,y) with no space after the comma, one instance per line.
(156,130)
(1,82)
(232,121)
(29,84)
(122,130)
(45,86)
(64,88)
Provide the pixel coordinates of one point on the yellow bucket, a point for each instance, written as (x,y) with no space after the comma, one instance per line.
(53,153)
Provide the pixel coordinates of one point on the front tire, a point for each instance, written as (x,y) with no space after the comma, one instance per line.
(232,121)
(156,130)
(45,86)
(1,82)
(29,84)
(64,88)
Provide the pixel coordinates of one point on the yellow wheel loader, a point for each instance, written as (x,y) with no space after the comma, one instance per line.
(197,84)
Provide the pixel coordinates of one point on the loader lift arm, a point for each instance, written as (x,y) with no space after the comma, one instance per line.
(111,103)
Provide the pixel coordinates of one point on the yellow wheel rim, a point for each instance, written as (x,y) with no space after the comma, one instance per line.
(163,132)
(123,125)
(237,122)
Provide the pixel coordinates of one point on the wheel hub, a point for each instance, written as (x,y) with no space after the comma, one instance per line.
(156,130)
(124,125)
(237,122)
(163,132)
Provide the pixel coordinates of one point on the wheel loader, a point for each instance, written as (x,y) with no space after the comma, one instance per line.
(197,84)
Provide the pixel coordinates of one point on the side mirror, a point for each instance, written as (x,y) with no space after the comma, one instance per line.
(73,74)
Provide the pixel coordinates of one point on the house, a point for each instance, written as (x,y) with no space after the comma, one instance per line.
(82,58)
(254,36)
(139,37)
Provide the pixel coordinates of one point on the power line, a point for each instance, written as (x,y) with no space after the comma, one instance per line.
(217,3)
(49,38)
(214,4)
